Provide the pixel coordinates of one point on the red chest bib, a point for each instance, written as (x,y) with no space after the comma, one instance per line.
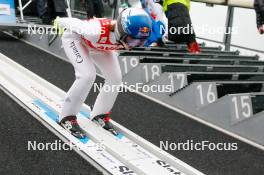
(104,42)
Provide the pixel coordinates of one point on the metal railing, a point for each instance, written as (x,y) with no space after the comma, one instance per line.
(22,7)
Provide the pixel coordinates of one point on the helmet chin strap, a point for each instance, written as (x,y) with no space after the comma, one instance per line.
(120,38)
(124,45)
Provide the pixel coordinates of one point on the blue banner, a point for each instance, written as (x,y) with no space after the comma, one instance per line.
(7,11)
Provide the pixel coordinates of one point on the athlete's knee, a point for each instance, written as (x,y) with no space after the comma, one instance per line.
(86,77)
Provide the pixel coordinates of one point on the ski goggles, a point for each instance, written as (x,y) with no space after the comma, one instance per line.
(129,42)
(134,42)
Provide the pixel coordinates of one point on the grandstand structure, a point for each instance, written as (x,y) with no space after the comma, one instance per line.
(222,88)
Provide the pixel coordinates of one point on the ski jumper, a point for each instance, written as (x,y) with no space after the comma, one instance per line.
(86,44)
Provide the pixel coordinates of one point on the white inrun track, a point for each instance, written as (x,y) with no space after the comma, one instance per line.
(126,154)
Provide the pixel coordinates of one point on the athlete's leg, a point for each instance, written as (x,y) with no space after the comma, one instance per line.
(84,71)
(108,64)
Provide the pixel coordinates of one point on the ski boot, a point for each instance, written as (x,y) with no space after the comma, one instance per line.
(104,121)
(70,124)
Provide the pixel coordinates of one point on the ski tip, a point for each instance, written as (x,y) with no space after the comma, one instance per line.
(119,135)
(84,140)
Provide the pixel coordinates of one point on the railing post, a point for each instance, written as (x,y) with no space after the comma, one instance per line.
(228,29)
(21,10)
(69,8)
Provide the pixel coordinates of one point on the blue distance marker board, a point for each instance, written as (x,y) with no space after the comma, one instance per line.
(7,12)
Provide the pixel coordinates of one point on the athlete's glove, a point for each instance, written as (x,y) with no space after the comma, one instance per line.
(57,27)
